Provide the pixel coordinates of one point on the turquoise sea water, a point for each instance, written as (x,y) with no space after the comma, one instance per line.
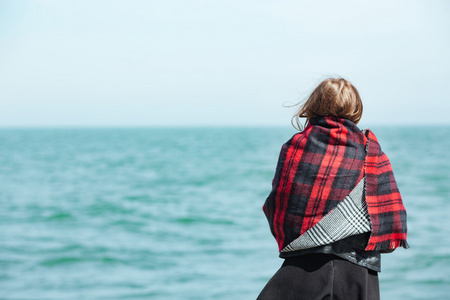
(176,213)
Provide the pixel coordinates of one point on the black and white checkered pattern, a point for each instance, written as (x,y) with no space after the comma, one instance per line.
(350,217)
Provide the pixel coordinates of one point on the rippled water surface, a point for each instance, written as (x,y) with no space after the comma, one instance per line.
(176,213)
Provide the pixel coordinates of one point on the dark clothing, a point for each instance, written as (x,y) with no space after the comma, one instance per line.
(321,277)
(350,248)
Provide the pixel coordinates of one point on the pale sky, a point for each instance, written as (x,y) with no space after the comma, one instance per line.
(218,63)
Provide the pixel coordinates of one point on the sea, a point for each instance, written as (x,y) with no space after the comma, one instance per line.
(176,213)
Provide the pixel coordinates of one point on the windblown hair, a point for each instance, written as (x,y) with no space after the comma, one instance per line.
(332,97)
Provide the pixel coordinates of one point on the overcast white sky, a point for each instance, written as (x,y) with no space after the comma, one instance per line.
(199,62)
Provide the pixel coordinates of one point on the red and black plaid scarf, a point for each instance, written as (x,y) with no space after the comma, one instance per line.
(318,168)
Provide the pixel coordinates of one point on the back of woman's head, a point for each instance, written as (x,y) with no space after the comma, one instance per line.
(332,97)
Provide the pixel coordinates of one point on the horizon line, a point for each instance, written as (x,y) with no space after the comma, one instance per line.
(168,126)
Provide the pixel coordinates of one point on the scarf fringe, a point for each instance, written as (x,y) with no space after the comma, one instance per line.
(393,245)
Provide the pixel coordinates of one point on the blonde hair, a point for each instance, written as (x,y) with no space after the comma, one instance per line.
(332,97)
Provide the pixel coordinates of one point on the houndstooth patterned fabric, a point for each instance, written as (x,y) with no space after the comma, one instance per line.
(349,218)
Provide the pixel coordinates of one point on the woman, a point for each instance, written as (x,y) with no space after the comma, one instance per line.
(334,205)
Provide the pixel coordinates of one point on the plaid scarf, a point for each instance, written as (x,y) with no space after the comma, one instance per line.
(319,167)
